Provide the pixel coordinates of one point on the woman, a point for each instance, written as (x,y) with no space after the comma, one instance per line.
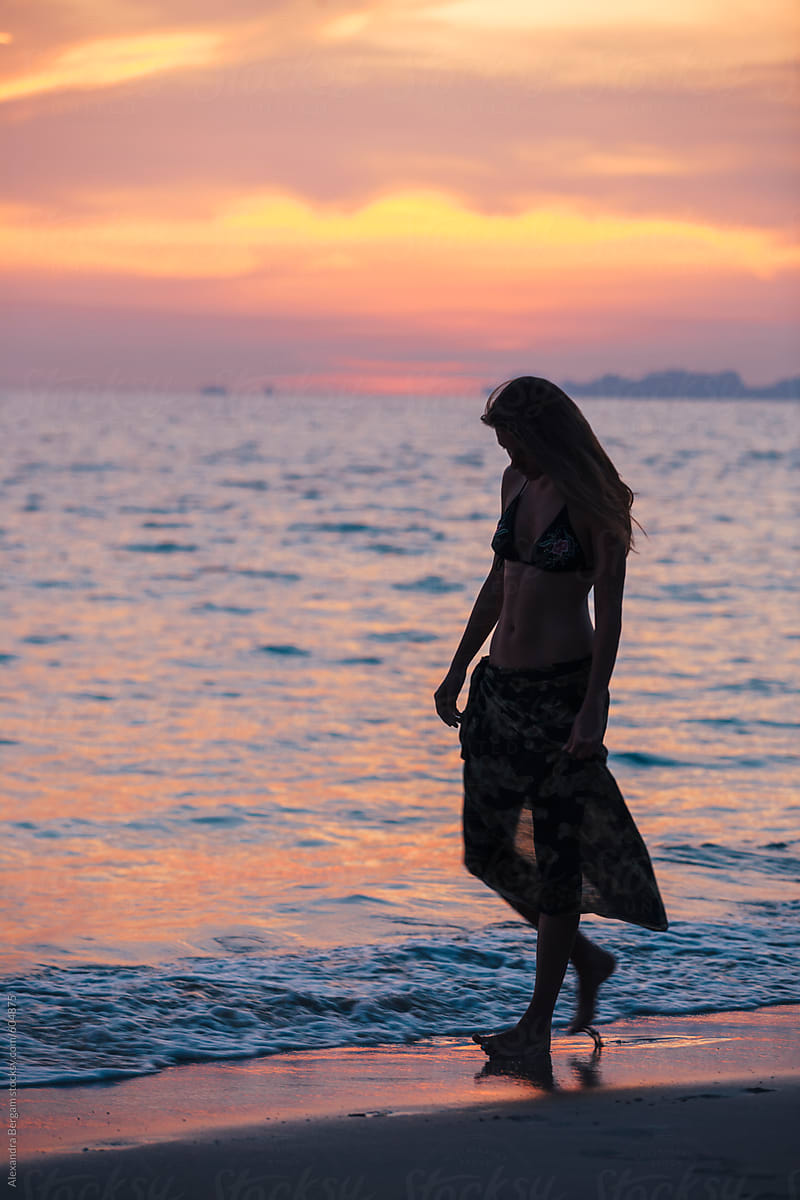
(544,822)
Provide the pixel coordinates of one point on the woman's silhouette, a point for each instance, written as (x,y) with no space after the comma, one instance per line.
(544,822)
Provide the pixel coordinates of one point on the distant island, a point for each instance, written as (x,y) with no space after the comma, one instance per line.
(686,384)
(216,389)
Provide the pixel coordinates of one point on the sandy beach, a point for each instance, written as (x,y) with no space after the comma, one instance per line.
(701,1106)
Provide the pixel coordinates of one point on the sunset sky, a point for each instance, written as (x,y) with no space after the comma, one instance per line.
(396,195)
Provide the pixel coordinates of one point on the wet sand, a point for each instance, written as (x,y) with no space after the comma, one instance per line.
(702,1106)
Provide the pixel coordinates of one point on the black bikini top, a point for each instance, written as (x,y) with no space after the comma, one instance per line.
(558,549)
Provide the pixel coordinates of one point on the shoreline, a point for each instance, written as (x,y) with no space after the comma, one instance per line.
(682,1108)
(758,1048)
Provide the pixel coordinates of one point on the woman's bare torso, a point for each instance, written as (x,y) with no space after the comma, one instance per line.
(545,614)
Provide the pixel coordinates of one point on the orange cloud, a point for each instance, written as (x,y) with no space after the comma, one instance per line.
(439,246)
(105,62)
(577,42)
(477,170)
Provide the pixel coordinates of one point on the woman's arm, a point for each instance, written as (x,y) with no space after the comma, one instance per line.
(609,584)
(586,736)
(482,620)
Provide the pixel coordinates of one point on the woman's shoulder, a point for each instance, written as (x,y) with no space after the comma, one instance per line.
(592,529)
(587,516)
(510,484)
(582,514)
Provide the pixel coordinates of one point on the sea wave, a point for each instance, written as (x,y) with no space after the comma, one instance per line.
(101,1022)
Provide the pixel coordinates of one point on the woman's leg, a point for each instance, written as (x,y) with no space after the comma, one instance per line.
(592,964)
(531,1034)
(554,942)
(491,855)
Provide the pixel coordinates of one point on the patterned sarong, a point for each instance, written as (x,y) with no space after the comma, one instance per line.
(541,827)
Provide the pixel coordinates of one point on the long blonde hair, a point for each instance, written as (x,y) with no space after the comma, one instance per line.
(565,446)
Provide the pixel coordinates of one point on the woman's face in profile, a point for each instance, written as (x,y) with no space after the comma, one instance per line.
(521,458)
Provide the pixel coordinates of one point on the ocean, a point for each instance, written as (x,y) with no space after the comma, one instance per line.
(230,814)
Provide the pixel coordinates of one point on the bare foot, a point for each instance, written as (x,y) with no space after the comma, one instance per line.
(590,976)
(521,1041)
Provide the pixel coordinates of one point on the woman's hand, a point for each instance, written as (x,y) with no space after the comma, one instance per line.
(586,735)
(446,695)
